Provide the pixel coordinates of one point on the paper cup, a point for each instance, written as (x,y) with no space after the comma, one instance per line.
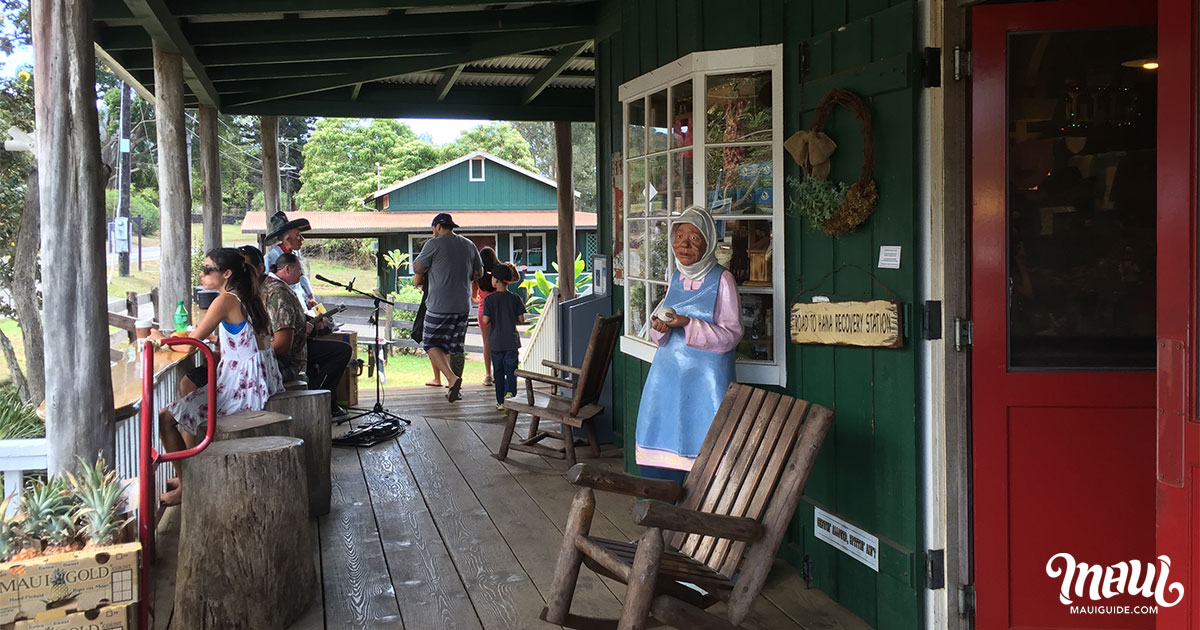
(143,327)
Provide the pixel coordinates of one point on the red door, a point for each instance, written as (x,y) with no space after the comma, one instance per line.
(1063,284)
(1178,431)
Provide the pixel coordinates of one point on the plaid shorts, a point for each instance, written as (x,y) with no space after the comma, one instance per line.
(444,331)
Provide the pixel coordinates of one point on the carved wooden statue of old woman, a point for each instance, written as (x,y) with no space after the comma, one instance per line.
(697,328)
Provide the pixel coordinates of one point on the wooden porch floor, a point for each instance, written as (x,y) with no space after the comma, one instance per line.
(428,531)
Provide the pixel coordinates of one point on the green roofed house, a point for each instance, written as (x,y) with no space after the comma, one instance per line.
(495,203)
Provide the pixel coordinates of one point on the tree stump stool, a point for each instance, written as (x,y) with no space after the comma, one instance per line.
(247,424)
(309,410)
(245,551)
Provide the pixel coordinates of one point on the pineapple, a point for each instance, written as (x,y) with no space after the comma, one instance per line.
(100,498)
(43,506)
(11,536)
(60,593)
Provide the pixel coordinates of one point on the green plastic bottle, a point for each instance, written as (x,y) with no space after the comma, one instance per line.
(181,318)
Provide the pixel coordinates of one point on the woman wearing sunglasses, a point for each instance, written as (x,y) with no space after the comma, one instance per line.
(247,374)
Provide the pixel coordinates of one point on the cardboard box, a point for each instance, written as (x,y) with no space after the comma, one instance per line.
(122,617)
(69,582)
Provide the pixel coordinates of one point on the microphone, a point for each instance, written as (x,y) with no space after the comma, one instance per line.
(324,279)
(350,285)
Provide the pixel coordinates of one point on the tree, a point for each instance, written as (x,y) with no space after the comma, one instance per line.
(498,138)
(540,136)
(340,156)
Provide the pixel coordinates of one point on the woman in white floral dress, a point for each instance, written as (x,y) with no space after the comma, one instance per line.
(247,374)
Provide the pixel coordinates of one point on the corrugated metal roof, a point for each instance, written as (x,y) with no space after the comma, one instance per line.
(376,223)
(512,71)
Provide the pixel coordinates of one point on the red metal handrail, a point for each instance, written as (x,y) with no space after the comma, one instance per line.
(149,458)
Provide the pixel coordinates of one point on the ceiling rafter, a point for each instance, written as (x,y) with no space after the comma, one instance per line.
(551,70)
(188,8)
(165,31)
(482,48)
(383,101)
(447,82)
(398,25)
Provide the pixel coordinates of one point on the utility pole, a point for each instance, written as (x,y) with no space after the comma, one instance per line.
(123,212)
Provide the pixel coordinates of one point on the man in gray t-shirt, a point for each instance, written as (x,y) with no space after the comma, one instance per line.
(446,267)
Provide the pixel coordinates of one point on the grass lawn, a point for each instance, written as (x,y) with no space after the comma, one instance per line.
(365,279)
(140,281)
(13,332)
(413,371)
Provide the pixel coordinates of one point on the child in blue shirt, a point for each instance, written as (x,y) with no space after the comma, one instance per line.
(502,311)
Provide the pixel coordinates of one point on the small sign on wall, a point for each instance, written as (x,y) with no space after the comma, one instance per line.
(851,540)
(874,323)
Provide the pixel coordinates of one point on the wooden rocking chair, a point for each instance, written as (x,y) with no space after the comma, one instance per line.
(577,411)
(721,535)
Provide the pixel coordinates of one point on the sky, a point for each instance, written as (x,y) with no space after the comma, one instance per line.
(440,131)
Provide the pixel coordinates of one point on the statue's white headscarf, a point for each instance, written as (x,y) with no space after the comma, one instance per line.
(699,218)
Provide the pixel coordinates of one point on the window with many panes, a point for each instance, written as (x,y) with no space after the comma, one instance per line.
(529,250)
(707,130)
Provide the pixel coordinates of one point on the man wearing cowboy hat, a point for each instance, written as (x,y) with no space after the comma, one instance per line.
(290,241)
(447,265)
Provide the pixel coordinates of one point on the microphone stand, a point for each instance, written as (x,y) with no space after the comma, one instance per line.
(378,409)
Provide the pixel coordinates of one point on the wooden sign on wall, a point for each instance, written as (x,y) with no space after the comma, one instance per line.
(874,324)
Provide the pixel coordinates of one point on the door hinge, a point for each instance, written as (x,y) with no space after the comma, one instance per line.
(966,601)
(931,67)
(931,322)
(964,333)
(962,63)
(935,569)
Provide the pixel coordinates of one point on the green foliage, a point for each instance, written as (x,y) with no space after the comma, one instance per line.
(17,419)
(16,110)
(396,259)
(539,287)
(407,294)
(139,206)
(815,199)
(498,138)
(197,262)
(12,537)
(540,136)
(340,156)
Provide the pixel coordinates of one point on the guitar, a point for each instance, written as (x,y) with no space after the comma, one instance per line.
(316,321)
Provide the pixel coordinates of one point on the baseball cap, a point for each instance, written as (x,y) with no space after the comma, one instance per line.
(444,219)
(503,273)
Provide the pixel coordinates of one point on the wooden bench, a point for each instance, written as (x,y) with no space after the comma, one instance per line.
(311,421)
(245,548)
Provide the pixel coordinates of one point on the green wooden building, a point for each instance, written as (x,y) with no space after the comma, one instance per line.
(496,203)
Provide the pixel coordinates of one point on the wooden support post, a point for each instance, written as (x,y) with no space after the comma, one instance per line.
(210,178)
(566,212)
(174,193)
(566,571)
(270,165)
(79,399)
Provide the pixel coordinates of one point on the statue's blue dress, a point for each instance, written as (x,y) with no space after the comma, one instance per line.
(686,384)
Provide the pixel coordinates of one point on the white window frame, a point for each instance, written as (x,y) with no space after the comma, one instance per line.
(471,169)
(412,247)
(512,247)
(695,67)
